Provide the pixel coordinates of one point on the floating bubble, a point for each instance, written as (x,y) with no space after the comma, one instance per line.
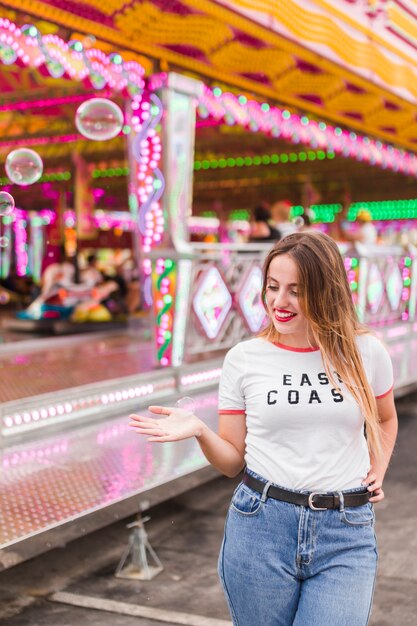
(23,166)
(4,242)
(186,403)
(99,119)
(6,203)
(299,221)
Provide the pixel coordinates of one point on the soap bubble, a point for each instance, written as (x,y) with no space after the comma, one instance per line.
(186,403)
(24,166)
(299,221)
(99,119)
(6,203)
(4,242)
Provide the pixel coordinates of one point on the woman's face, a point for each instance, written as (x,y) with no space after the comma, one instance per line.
(282,302)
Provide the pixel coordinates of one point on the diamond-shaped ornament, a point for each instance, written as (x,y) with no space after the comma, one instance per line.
(250,301)
(212,302)
(394,287)
(375,290)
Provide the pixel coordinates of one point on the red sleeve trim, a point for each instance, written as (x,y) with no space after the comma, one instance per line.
(385,394)
(231,412)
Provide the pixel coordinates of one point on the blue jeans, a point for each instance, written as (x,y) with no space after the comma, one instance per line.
(286,565)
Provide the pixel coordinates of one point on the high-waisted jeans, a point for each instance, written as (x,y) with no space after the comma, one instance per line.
(286,565)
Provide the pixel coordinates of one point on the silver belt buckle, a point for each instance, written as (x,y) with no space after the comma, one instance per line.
(311,503)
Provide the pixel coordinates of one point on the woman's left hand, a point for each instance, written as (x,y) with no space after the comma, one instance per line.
(374,486)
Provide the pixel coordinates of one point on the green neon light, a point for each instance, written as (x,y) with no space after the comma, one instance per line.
(296,210)
(110,172)
(262,159)
(379,210)
(239,214)
(45,178)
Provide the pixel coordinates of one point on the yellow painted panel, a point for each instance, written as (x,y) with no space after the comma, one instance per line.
(355,102)
(237,58)
(147,22)
(299,82)
(410,132)
(308,26)
(385,117)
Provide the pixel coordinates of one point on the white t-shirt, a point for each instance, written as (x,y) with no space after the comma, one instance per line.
(301,432)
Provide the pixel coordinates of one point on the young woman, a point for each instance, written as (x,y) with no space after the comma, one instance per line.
(307,408)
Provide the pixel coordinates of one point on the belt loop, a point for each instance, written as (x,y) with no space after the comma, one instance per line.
(265,491)
(341,501)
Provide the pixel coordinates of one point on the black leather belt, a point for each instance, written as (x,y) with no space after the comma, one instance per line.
(314,500)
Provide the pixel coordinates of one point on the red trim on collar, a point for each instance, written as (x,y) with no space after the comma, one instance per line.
(291,349)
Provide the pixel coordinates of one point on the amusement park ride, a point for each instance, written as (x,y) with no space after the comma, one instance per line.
(70,463)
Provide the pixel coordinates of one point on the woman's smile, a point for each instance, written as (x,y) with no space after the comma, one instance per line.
(284,316)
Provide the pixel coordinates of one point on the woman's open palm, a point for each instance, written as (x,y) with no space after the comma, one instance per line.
(177,424)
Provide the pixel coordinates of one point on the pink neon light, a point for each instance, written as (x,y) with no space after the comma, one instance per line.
(191,379)
(59,58)
(277,123)
(38,141)
(20,242)
(49,102)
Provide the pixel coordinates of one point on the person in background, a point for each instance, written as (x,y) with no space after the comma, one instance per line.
(261,227)
(58,275)
(280,212)
(91,276)
(337,228)
(306,408)
(367,232)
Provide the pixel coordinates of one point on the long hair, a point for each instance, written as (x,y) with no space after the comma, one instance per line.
(326,301)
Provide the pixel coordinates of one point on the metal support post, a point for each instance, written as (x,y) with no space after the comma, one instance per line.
(134,563)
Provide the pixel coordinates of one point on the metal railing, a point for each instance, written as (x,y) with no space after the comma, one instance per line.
(225,305)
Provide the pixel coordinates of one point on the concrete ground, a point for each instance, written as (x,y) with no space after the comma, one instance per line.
(186,533)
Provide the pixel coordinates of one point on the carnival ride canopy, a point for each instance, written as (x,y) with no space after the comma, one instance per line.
(231,163)
(352,62)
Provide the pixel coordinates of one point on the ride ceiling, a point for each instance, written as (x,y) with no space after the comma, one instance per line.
(38,107)
(352,62)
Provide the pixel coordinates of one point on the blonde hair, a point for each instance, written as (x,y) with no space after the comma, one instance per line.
(326,301)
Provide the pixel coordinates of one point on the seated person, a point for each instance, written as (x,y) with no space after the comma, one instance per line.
(261,228)
(90,275)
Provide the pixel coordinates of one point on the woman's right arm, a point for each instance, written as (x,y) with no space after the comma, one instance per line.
(225,450)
